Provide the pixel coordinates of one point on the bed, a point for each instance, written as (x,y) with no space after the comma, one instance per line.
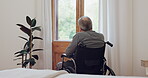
(34,73)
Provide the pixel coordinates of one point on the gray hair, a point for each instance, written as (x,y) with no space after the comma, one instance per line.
(85,23)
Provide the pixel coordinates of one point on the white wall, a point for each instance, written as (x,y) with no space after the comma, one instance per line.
(11,13)
(140,35)
(14,11)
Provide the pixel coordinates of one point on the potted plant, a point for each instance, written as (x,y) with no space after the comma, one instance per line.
(26,54)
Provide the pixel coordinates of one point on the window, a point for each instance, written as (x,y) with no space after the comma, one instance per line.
(66,19)
(91,9)
(65,24)
(66,14)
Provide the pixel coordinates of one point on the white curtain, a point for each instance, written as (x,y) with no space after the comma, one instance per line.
(116,25)
(47,33)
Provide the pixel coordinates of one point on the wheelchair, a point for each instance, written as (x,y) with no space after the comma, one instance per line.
(87,61)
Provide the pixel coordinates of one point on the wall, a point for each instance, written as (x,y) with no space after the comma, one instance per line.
(133,29)
(140,36)
(12,12)
(129,17)
(125,36)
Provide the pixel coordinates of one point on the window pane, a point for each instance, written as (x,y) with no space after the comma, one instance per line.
(66,19)
(91,9)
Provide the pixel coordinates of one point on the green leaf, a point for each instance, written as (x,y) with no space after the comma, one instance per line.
(17,52)
(23,38)
(21,52)
(27,46)
(37,38)
(37,50)
(19,55)
(33,22)
(25,63)
(24,29)
(32,62)
(35,56)
(28,19)
(36,28)
(20,25)
(19,63)
(24,52)
(27,49)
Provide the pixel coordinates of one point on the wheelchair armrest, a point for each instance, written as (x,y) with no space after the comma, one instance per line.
(63,55)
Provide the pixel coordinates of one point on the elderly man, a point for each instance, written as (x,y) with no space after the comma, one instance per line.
(87,36)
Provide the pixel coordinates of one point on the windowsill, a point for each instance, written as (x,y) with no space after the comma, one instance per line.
(61,40)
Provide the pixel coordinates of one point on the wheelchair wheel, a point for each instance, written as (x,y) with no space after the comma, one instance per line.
(110,71)
(70,69)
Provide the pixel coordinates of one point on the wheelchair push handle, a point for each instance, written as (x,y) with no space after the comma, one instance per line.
(110,44)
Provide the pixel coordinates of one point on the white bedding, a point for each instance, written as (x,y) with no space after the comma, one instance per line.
(34,73)
(30,73)
(93,76)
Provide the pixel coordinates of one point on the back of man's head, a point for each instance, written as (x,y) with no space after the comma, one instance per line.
(85,23)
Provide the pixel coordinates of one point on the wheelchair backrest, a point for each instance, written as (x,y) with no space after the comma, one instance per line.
(84,53)
(89,56)
(89,60)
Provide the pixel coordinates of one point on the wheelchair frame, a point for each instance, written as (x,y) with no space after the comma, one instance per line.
(72,69)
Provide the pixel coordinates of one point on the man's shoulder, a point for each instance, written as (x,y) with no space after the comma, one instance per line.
(97,33)
(100,33)
(80,33)
(88,32)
